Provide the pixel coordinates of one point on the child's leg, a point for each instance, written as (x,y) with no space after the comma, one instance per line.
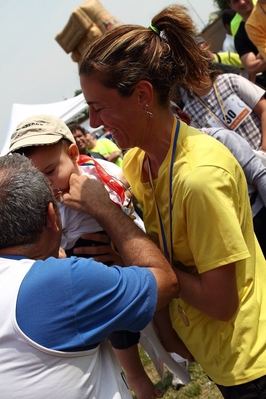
(125,346)
(137,378)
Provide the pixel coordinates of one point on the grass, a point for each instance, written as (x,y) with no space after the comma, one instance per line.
(199,387)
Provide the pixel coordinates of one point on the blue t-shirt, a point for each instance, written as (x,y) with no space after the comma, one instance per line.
(74,303)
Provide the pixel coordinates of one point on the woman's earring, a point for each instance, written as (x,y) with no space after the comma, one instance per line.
(148,112)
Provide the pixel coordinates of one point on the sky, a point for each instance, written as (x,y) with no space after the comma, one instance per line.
(34,69)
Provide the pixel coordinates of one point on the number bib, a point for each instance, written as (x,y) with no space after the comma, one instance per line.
(235,110)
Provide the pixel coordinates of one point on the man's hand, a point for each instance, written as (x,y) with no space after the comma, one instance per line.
(85,195)
(90,196)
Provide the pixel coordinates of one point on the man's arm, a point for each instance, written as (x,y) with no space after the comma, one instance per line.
(112,151)
(253,65)
(248,54)
(113,156)
(135,248)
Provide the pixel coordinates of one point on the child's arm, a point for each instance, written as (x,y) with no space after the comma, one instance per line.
(168,336)
(137,378)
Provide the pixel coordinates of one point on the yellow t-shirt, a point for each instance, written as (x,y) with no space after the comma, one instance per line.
(212,227)
(105,146)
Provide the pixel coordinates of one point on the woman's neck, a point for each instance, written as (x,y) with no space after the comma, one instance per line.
(158,146)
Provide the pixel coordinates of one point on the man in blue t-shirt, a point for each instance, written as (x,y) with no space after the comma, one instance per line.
(56,314)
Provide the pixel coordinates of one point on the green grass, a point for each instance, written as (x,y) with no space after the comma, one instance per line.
(199,387)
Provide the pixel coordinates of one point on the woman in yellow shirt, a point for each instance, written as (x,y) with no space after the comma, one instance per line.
(192,191)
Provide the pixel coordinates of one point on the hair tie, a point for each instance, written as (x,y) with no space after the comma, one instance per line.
(155,30)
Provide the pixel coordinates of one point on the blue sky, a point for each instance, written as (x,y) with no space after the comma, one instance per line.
(34,69)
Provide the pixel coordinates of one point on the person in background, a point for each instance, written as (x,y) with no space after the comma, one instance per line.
(232,102)
(248,52)
(227,62)
(192,191)
(56,314)
(107,148)
(256,27)
(228,43)
(80,136)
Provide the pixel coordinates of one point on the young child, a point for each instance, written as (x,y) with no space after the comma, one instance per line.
(48,142)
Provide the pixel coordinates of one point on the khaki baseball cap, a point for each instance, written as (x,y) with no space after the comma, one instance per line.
(39,130)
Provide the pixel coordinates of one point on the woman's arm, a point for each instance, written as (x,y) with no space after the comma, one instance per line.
(213,293)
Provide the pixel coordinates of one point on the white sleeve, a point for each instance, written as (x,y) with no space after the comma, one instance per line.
(249,92)
(252,166)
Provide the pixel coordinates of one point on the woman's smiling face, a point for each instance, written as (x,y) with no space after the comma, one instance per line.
(122,116)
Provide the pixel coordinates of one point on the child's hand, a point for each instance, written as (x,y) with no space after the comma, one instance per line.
(61,253)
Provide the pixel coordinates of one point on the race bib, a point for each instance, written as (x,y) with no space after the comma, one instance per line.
(235,111)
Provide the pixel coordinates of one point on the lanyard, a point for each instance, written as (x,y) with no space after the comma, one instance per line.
(218,98)
(167,247)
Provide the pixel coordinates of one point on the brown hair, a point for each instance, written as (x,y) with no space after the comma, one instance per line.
(130,53)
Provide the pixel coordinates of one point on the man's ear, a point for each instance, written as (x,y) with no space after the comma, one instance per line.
(73,152)
(52,218)
(145,93)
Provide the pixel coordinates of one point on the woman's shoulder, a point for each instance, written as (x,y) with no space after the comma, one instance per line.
(133,154)
(132,162)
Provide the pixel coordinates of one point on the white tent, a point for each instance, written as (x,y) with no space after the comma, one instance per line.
(67,110)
